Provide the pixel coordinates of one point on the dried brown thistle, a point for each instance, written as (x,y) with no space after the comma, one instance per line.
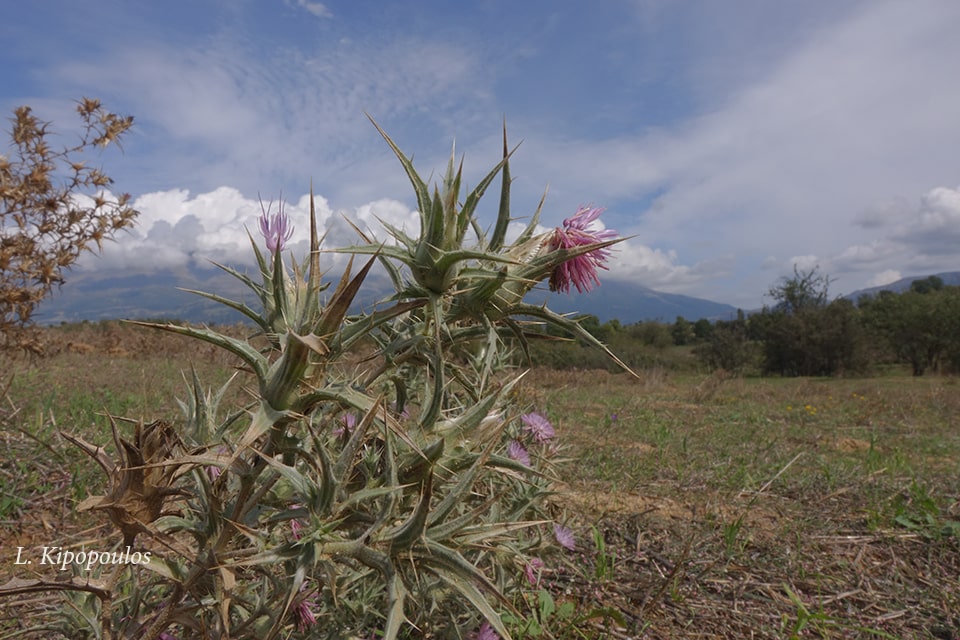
(142,481)
(53,206)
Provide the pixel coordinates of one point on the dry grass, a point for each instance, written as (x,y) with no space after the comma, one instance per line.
(724,507)
(765,508)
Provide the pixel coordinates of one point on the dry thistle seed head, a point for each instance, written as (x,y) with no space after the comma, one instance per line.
(143,479)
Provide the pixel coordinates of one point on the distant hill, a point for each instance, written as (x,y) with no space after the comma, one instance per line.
(140,296)
(107,297)
(629,303)
(950,278)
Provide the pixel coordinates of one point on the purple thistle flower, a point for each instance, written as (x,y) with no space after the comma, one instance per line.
(518,452)
(276,229)
(581,271)
(533,570)
(564,537)
(347,424)
(213,471)
(296,525)
(303,612)
(537,426)
(486,632)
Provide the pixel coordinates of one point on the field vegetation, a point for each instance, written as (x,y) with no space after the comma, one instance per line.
(704,505)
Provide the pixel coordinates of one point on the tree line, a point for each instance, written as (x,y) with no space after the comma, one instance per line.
(803,332)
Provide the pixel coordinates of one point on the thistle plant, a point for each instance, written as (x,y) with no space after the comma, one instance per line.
(394,497)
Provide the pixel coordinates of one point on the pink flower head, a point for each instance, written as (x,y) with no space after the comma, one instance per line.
(486,632)
(213,471)
(581,271)
(533,570)
(296,525)
(518,452)
(303,612)
(564,537)
(276,229)
(347,424)
(537,426)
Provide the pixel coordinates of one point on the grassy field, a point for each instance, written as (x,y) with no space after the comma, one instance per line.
(705,506)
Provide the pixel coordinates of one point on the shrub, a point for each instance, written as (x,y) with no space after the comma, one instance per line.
(53,207)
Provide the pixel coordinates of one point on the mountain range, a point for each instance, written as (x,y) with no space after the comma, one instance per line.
(157,295)
(950,279)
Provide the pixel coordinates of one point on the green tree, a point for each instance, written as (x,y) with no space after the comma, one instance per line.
(53,207)
(926,285)
(651,334)
(804,334)
(919,326)
(682,332)
(728,348)
(702,329)
(805,290)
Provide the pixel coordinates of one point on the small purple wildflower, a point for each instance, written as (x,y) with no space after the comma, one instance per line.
(538,427)
(347,424)
(564,537)
(166,636)
(518,452)
(581,271)
(276,229)
(486,632)
(303,612)
(296,525)
(405,414)
(213,471)
(533,571)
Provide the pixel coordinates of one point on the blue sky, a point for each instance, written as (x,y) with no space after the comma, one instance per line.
(732,139)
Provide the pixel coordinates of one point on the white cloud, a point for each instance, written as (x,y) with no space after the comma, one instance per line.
(177,230)
(919,238)
(798,130)
(794,161)
(935,227)
(884,277)
(318,9)
(223,113)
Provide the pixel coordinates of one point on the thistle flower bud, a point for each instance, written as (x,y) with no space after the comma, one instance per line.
(276,228)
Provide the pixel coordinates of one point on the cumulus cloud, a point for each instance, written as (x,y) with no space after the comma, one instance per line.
(919,238)
(886,277)
(177,230)
(935,227)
